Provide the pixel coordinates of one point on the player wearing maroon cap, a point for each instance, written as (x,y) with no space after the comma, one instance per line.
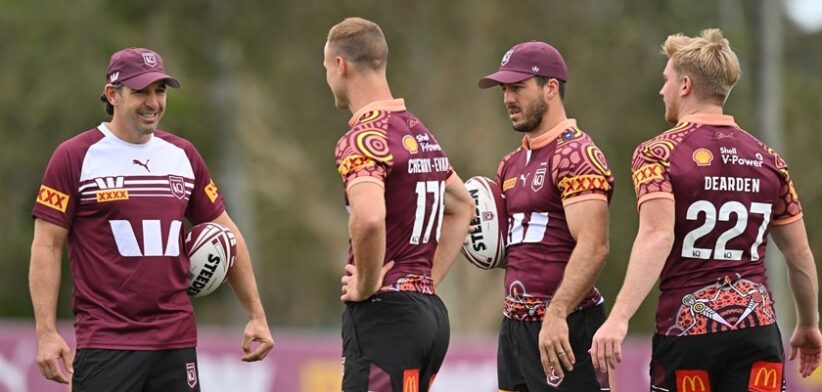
(409,212)
(117,195)
(557,186)
(708,195)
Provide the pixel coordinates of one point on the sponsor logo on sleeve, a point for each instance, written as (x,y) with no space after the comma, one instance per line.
(692,381)
(411,380)
(53,198)
(354,163)
(647,173)
(211,191)
(509,183)
(766,377)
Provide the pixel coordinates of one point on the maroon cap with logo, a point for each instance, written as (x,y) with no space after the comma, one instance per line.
(532,58)
(136,68)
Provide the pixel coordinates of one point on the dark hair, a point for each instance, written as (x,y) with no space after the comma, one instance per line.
(542,81)
(109,108)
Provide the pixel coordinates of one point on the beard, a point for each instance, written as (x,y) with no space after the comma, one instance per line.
(533,114)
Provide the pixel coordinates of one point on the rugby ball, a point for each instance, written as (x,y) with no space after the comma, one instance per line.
(485,247)
(212,249)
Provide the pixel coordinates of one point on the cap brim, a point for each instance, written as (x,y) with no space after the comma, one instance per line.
(503,77)
(141,81)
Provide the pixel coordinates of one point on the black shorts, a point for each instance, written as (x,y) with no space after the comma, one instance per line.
(749,359)
(518,362)
(98,370)
(393,342)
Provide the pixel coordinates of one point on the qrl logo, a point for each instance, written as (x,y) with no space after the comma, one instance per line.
(153,244)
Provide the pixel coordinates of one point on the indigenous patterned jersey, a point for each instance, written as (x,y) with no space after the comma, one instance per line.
(728,189)
(389,146)
(538,180)
(124,205)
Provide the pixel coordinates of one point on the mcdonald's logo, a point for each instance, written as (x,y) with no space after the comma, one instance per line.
(766,377)
(411,380)
(692,381)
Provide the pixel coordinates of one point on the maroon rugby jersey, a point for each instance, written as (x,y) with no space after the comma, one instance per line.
(728,189)
(124,206)
(538,180)
(390,146)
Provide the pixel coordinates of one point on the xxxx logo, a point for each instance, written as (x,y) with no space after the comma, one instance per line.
(112,195)
(52,198)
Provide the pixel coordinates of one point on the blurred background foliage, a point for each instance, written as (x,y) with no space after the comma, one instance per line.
(255,102)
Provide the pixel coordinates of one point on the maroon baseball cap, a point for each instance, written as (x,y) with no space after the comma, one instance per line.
(532,58)
(136,68)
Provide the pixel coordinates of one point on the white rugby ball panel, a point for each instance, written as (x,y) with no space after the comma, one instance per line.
(485,248)
(212,250)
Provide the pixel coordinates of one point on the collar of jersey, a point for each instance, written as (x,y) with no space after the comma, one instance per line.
(107,131)
(710,119)
(547,137)
(388,105)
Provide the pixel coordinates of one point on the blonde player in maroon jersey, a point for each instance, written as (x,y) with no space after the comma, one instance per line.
(409,212)
(708,195)
(557,186)
(117,196)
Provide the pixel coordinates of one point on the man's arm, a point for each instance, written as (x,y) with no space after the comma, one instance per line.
(652,245)
(806,341)
(242,281)
(366,225)
(588,224)
(44,286)
(456,220)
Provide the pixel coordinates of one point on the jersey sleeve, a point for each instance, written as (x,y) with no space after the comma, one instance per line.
(580,172)
(363,155)
(787,209)
(58,196)
(650,170)
(206,203)
(499,178)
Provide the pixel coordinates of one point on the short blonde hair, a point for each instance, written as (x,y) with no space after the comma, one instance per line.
(360,41)
(708,60)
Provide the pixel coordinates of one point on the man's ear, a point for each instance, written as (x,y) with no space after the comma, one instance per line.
(342,65)
(687,86)
(553,88)
(111,93)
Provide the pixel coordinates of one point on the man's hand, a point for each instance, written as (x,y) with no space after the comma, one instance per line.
(51,350)
(256,331)
(554,347)
(807,343)
(351,288)
(606,347)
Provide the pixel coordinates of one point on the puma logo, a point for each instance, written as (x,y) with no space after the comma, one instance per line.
(145,165)
(524,177)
